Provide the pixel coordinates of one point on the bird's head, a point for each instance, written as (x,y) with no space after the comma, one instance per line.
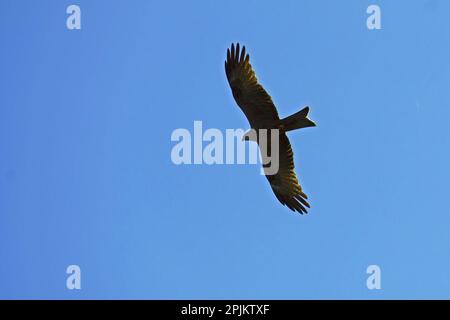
(250,136)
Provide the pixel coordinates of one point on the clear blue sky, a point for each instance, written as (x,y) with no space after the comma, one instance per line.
(86,176)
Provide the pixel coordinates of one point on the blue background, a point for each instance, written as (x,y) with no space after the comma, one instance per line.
(86,176)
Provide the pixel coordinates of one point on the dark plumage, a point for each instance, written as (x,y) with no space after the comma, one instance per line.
(261,113)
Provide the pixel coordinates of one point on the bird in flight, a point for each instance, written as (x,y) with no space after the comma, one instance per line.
(261,113)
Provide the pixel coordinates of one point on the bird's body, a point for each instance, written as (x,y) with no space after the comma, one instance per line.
(261,113)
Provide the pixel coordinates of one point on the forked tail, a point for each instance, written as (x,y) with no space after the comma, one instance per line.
(297,120)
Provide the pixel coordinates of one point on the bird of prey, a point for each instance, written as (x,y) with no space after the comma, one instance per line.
(261,113)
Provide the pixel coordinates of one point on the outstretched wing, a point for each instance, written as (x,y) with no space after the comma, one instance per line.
(251,97)
(284,183)
(260,111)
